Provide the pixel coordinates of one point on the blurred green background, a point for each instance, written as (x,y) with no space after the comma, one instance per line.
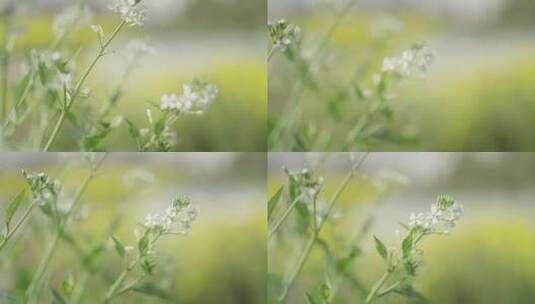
(222,260)
(487,259)
(479,94)
(219,41)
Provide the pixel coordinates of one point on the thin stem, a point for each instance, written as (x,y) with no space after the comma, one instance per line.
(310,243)
(115,286)
(283,218)
(35,284)
(17,226)
(271,53)
(375,289)
(77,89)
(80,288)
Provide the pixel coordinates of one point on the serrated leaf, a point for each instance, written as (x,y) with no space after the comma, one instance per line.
(274,201)
(13,207)
(118,246)
(381,248)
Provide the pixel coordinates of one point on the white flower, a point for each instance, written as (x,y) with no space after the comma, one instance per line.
(443,215)
(42,187)
(130,11)
(177,218)
(195,99)
(283,34)
(410,62)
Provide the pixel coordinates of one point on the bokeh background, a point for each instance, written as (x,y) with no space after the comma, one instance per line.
(222,41)
(478,95)
(222,260)
(487,258)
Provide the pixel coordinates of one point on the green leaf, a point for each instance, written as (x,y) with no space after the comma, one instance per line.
(344,264)
(118,246)
(381,248)
(89,261)
(274,201)
(93,142)
(12,207)
(153,290)
(406,245)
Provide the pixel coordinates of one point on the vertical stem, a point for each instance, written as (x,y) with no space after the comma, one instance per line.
(313,237)
(80,288)
(32,292)
(375,289)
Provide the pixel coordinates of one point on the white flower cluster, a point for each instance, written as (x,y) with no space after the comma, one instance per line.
(444,215)
(283,34)
(69,18)
(307,185)
(177,218)
(195,98)
(130,11)
(42,187)
(410,62)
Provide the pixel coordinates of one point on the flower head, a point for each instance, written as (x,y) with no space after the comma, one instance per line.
(413,61)
(283,34)
(195,99)
(130,11)
(44,189)
(304,184)
(443,215)
(177,218)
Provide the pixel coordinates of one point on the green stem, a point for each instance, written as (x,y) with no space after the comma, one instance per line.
(76,92)
(377,286)
(5,70)
(80,288)
(283,218)
(17,226)
(310,243)
(35,285)
(116,285)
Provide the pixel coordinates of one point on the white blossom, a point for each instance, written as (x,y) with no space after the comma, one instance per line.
(195,99)
(177,218)
(443,215)
(130,11)
(283,34)
(43,188)
(411,62)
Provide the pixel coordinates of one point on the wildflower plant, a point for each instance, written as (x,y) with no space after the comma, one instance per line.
(299,232)
(61,210)
(343,111)
(53,89)
(175,220)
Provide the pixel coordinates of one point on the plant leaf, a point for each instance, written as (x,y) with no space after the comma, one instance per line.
(12,207)
(118,246)
(406,245)
(381,248)
(274,201)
